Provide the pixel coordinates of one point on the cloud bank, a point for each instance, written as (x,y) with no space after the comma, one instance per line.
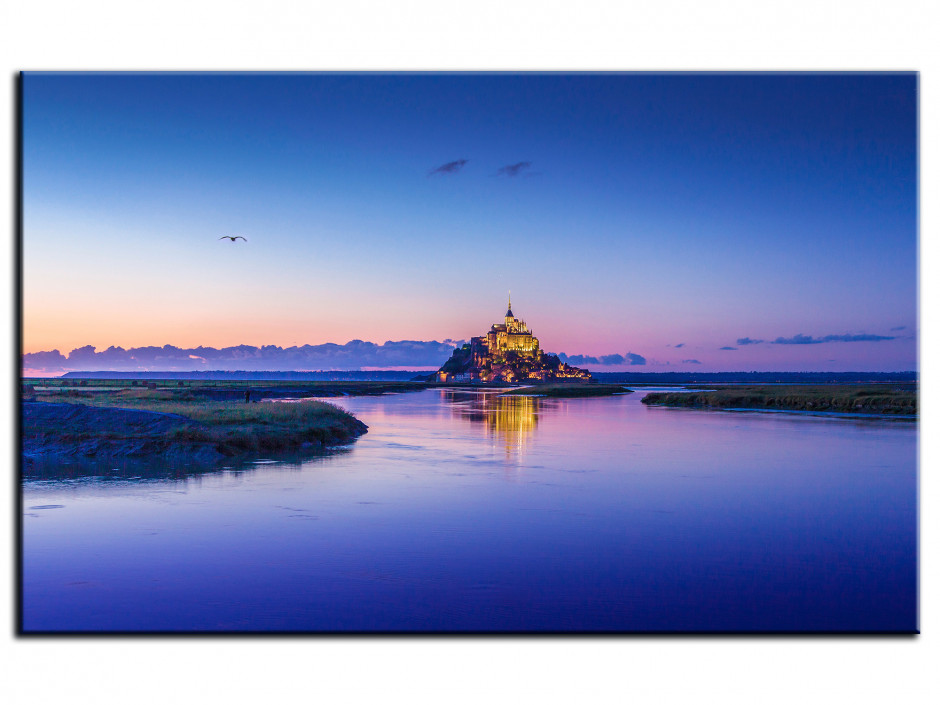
(606,360)
(354,355)
(809,340)
(579,359)
(800,339)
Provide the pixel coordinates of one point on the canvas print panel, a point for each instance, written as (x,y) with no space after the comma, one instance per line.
(463,353)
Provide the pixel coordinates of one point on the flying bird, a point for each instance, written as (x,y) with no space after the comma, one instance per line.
(233,238)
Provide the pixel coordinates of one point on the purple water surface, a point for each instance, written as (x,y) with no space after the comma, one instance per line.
(468,512)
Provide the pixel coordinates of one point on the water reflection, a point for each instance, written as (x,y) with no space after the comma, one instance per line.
(165,469)
(619,517)
(509,420)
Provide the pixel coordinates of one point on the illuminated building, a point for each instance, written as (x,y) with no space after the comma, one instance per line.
(507,353)
(511,335)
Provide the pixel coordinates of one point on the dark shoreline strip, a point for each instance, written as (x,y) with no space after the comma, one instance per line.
(858,400)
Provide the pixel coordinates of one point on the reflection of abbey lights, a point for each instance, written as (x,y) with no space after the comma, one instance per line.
(508,353)
(510,419)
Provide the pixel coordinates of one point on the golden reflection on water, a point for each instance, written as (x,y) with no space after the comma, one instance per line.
(510,420)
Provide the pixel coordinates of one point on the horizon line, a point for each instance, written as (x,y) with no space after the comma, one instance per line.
(426,368)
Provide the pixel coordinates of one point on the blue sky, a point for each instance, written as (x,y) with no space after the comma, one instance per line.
(650,211)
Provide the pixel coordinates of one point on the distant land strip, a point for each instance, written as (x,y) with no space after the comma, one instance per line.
(603,377)
(222,375)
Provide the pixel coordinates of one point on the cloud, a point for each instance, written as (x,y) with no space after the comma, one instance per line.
(578,359)
(798,339)
(692,362)
(513,169)
(801,339)
(856,338)
(449,168)
(79,355)
(612,359)
(680,345)
(899,328)
(48,362)
(727,347)
(636,359)
(353,355)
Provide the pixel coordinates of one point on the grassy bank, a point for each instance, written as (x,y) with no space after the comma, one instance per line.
(570,390)
(894,399)
(271,427)
(230,427)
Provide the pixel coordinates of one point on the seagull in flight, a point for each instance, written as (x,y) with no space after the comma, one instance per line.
(233,238)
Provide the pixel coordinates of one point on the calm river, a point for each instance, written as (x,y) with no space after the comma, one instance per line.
(469,512)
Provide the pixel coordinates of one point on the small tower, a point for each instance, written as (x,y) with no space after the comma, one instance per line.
(510,319)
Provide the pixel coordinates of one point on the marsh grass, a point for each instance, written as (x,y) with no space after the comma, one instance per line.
(267,426)
(857,399)
(234,426)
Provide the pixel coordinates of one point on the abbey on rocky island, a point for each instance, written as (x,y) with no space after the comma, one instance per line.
(507,353)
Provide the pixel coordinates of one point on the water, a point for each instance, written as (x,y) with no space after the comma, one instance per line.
(468,512)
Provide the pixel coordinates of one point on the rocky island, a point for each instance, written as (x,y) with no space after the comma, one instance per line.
(507,353)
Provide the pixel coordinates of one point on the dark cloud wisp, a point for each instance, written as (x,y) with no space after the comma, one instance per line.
(513,169)
(449,168)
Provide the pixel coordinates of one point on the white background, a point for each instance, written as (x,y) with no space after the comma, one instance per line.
(425,34)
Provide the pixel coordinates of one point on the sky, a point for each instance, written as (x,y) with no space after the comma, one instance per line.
(653,222)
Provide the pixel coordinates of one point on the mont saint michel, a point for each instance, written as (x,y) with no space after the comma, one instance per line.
(509,352)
